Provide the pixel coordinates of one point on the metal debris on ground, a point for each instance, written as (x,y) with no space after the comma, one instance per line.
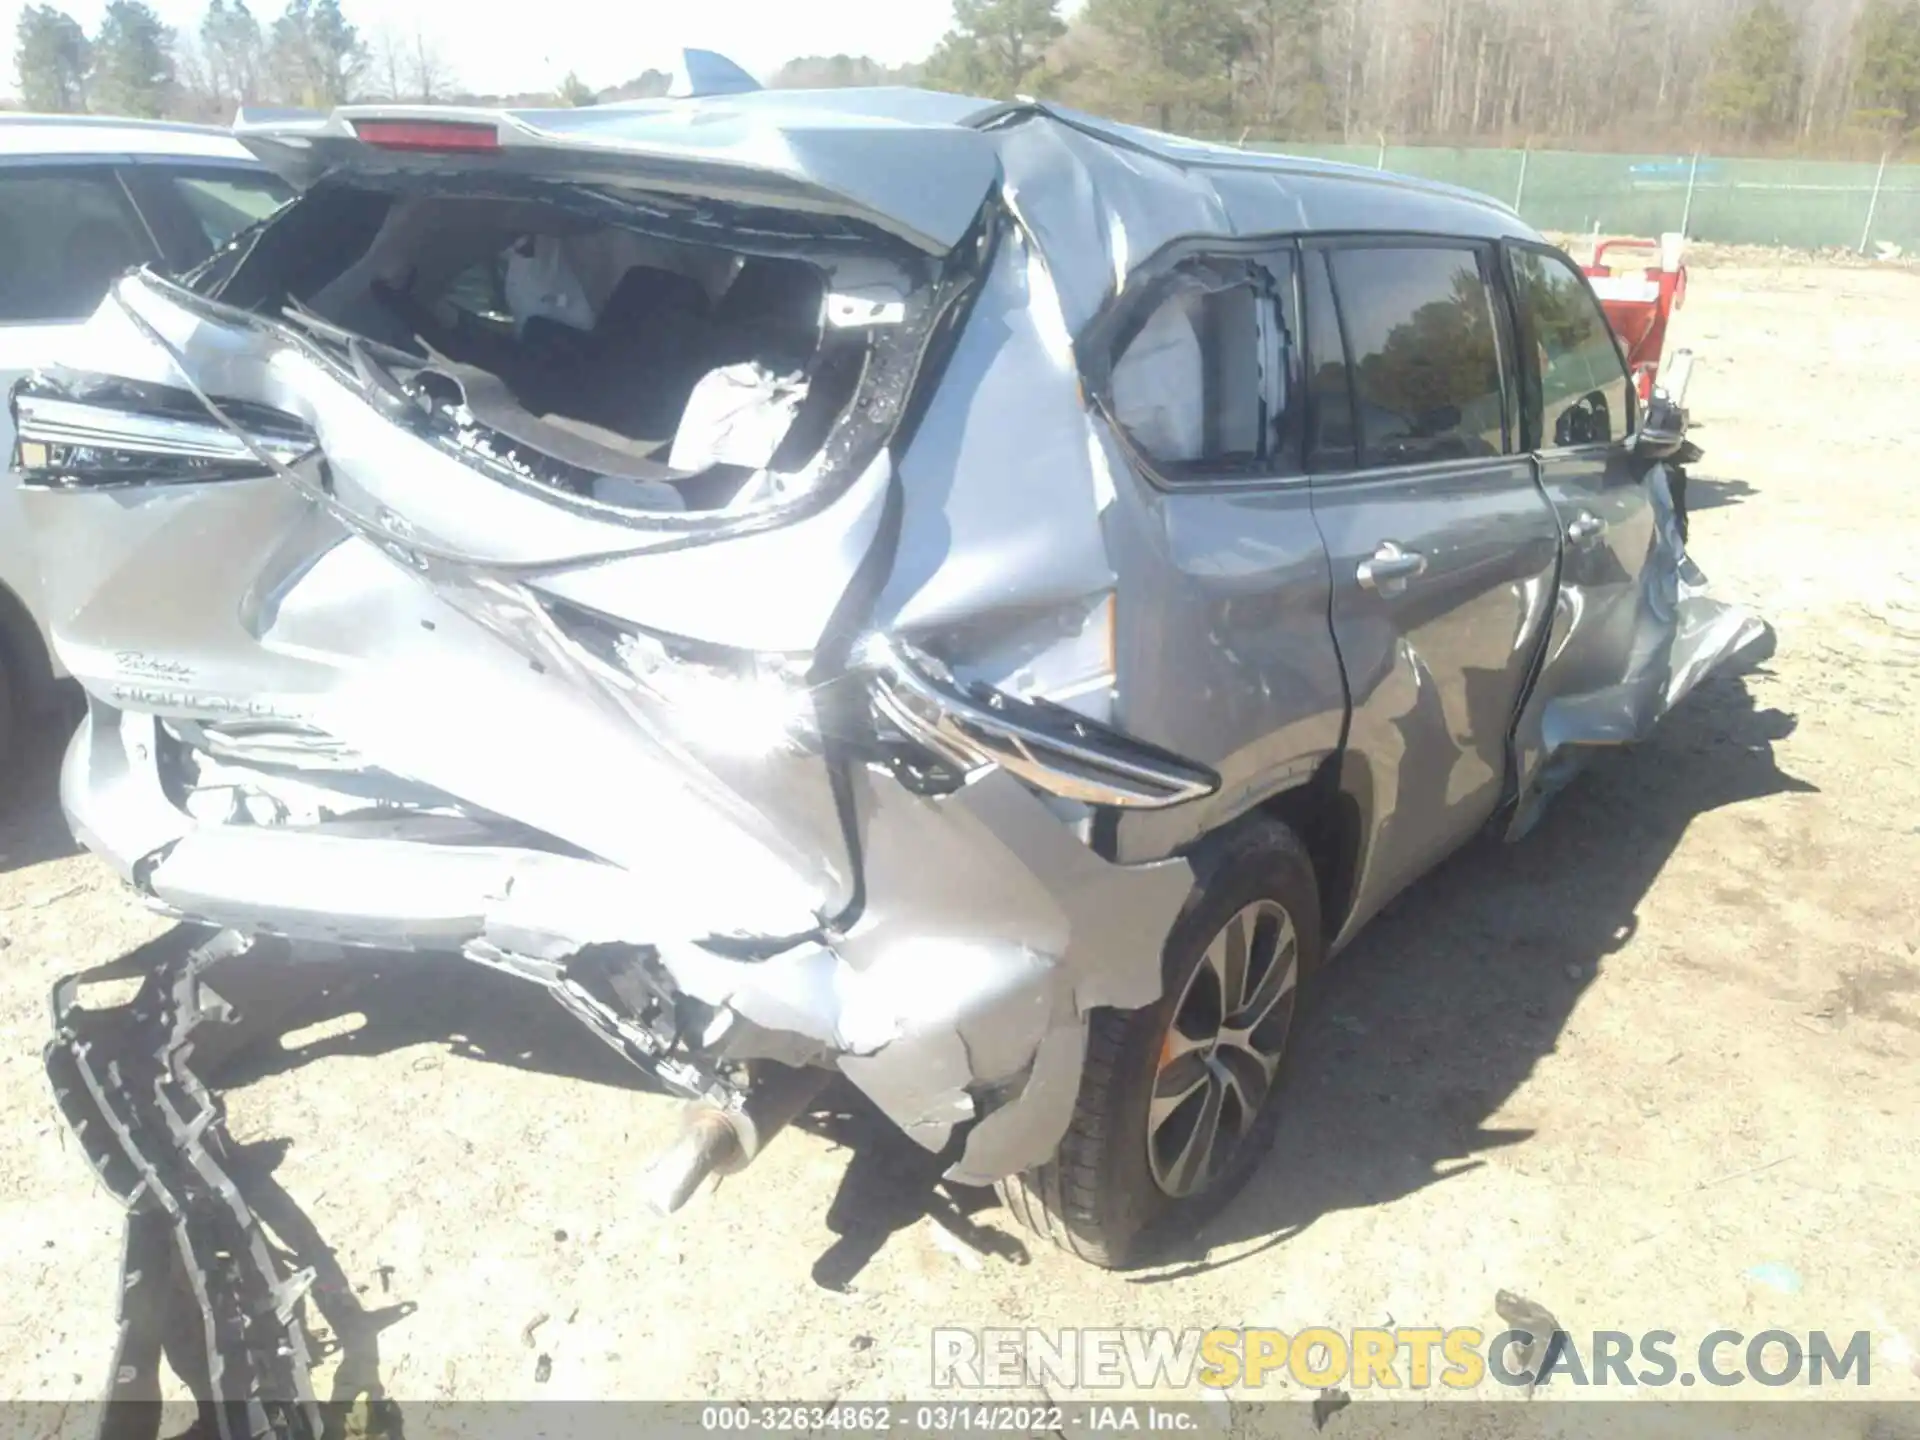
(156,1136)
(1327,1404)
(1536,1322)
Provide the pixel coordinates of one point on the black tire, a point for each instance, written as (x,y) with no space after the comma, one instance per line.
(12,708)
(1099,1198)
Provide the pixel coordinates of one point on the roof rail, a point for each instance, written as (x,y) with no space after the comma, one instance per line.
(111,122)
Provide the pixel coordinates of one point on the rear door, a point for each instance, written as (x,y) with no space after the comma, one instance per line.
(66,229)
(1221,644)
(1442,546)
(1578,419)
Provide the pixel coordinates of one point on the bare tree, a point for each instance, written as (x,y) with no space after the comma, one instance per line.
(429,77)
(1625,74)
(387,61)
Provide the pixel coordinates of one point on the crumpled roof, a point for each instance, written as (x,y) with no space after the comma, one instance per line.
(921,163)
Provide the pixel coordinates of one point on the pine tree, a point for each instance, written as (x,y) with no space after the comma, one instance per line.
(132,61)
(316,55)
(1285,83)
(1756,75)
(51,57)
(235,51)
(1174,56)
(995,46)
(1886,86)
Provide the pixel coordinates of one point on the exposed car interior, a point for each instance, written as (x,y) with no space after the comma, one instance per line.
(620,365)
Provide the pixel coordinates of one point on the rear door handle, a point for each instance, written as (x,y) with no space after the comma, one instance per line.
(1388,569)
(1585,528)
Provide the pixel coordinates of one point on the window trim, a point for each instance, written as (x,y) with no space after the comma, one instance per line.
(1317,256)
(1094,351)
(1423,469)
(1093,346)
(89,167)
(1535,413)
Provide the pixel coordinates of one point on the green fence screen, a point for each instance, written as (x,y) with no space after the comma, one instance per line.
(1805,204)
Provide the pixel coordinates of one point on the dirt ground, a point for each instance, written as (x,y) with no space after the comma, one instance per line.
(1668,1040)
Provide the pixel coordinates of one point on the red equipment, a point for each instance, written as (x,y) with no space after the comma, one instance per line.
(1639,300)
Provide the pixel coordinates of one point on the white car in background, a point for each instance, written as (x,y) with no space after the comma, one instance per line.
(81,200)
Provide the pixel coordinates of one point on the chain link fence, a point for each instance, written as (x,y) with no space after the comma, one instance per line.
(1803,204)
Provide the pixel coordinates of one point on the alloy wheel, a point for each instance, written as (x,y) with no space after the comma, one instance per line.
(1222,1048)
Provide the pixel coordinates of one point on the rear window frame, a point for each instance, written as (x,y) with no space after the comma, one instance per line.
(1145,288)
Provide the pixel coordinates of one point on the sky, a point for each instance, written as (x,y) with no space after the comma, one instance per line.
(495,47)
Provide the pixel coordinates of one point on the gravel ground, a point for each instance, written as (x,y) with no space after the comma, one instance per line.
(1668,1039)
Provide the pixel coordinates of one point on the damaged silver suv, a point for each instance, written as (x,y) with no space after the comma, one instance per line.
(969,597)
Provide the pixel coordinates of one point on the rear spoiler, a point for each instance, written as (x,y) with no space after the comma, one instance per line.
(922,182)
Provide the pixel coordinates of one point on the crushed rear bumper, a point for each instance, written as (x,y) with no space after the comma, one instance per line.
(957,1001)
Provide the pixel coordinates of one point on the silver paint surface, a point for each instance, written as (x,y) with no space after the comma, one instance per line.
(991,925)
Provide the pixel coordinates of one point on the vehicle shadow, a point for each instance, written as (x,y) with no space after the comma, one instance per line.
(399,1000)
(405,1000)
(1414,1038)
(32,829)
(890,1185)
(1408,1045)
(1419,1033)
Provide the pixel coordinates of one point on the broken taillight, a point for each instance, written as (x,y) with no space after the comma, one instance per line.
(455,135)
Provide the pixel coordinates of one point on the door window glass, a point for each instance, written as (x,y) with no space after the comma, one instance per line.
(1199,381)
(223,205)
(1584,395)
(64,236)
(1330,434)
(1425,350)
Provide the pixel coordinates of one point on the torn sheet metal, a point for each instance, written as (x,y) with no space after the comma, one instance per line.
(1100,914)
(990,931)
(914,168)
(383,680)
(1005,516)
(1099,197)
(1683,635)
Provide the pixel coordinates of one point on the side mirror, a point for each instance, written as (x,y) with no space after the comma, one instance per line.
(1663,424)
(1663,427)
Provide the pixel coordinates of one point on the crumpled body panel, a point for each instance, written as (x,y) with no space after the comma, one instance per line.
(903,781)
(438,693)
(1682,636)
